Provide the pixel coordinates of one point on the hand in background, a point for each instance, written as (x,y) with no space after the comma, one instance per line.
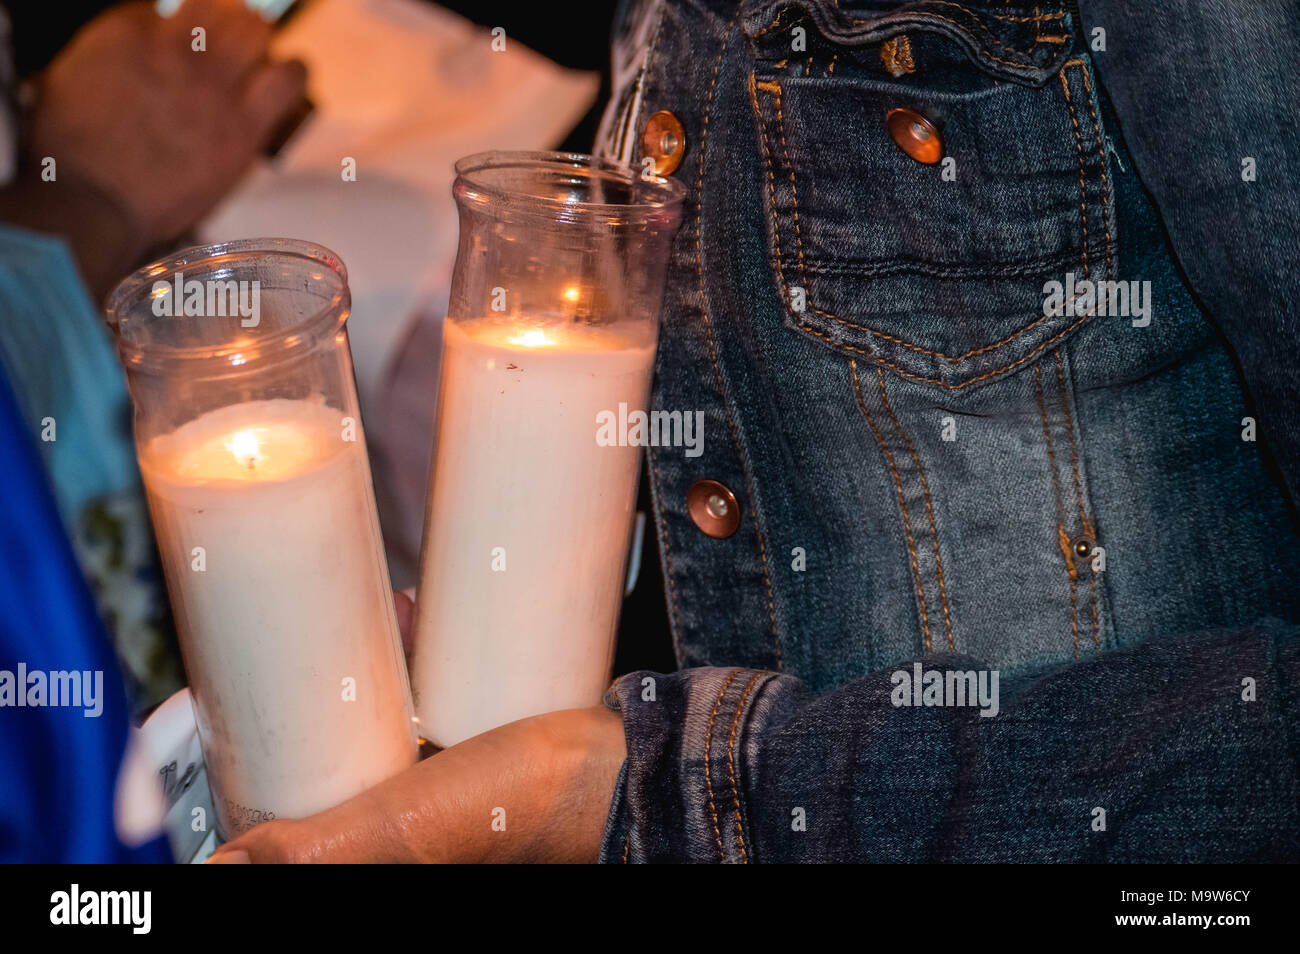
(143,126)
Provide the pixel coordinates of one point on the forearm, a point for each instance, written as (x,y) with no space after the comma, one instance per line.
(100,233)
(535,790)
(737,765)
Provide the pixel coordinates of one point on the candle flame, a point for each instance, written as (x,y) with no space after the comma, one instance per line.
(535,338)
(571,293)
(246,448)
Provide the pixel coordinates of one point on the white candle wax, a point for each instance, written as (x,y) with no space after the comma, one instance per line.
(528,526)
(286,602)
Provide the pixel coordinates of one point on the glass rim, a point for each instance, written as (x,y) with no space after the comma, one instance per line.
(663,194)
(139,284)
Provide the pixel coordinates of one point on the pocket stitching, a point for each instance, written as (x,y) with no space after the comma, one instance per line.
(774,88)
(989,39)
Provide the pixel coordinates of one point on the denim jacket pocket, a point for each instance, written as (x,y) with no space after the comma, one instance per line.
(939,272)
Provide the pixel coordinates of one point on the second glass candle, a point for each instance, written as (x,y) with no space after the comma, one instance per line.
(548,346)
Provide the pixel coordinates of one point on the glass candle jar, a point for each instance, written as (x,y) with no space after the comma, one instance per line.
(249,439)
(548,352)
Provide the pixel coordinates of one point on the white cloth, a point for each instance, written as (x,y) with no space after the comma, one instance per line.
(403,88)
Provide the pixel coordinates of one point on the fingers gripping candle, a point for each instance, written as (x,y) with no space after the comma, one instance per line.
(552,323)
(259,487)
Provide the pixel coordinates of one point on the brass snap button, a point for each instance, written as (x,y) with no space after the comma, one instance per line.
(1083,546)
(713,508)
(665,140)
(915,135)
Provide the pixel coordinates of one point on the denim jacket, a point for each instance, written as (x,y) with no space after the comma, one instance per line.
(940,457)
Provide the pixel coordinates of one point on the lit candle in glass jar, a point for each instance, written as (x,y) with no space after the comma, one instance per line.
(280,607)
(528,523)
(265,518)
(551,328)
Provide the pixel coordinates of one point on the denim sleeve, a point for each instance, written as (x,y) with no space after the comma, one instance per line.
(1177,751)
(1199,93)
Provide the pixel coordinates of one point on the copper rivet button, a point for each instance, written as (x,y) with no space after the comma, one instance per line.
(713,508)
(915,135)
(1083,546)
(665,140)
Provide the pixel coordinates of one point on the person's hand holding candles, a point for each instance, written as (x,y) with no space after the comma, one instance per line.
(534,790)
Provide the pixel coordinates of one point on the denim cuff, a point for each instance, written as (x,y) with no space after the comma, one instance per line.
(682,793)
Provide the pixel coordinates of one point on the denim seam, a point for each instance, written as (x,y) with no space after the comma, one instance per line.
(713,348)
(1062,538)
(902,503)
(1103,161)
(1025,268)
(1035,18)
(1101,154)
(708,759)
(1078,145)
(929,508)
(779,272)
(1062,384)
(731,764)
(1088,528)
(987,45)
(657,501)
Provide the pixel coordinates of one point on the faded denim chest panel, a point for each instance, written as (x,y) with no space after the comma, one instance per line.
(933,446)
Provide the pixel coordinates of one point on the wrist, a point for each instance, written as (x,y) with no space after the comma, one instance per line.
(102,234)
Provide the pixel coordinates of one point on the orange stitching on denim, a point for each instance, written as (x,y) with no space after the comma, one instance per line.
(803,278)
(1101,154)
(708,757)
(731,763)
(1078,491)
(773,256)
(944,384)
(896,55)
(713,347)
(1078,145)
(1062,539)
(902,503)
(929,509)
(794,191)
(1033,19)
(627,844)
(771,26)
(990,39)
(997,44)
(1109,250)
